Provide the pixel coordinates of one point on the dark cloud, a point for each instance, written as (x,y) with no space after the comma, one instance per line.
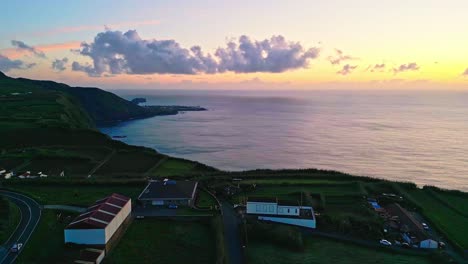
(270,55)
(465,73)
(23,46)
(347,69)
(6,64)
(116,52)
(339,57)
(376,67)
(89,69)
(60,64)
(413,66)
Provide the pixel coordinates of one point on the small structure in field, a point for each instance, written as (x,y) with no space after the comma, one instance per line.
(285,212)
(169,193)
(98,224)
(412,230)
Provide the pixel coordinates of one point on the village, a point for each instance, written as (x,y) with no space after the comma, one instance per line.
(100,227)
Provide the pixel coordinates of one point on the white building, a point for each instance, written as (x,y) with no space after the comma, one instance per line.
(97,225)
(282,212)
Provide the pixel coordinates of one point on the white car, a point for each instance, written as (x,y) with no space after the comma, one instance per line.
(16,247)
(425,226)
(385,242)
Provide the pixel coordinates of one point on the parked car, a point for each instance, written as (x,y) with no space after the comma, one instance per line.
(441,245)
(16,247)
(172,206)
(405,245)
(425,226)
(385,242)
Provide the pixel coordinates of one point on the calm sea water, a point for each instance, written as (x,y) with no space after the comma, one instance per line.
(410,136)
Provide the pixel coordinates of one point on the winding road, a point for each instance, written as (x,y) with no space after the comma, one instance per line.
(30,216)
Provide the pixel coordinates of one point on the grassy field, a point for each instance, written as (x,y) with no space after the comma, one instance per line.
(165,242)
(127,161)
(47,242)
(172,167)
(320,250)
(75,195)
(10,219)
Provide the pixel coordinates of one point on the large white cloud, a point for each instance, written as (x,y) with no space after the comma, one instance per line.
(116,52)
(270,55)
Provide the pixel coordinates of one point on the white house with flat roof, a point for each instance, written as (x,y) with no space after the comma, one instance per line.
(281,212)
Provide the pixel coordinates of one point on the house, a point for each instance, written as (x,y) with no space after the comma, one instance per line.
(412,230)
(169,192)
(91,256)
(100,221)
(285,212)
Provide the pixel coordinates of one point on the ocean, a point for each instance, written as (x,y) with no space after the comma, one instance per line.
(418,136)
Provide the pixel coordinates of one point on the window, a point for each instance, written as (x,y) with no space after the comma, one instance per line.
(288,210)
(272,208)
(265,208)
(258,208)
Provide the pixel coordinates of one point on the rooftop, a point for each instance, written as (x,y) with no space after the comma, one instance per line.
(273,200)
(169,189)
(100,214)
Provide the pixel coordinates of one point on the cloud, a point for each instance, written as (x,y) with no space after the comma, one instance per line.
(6,64)
(270,55)
(340,56)
(60,64)
(413,66)
(23,46)
(347,69)
(376,67)
(465,73)
(116,53)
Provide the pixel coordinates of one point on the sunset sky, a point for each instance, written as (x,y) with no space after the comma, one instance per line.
(300,44)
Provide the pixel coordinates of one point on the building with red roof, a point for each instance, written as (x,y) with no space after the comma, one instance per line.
(100,221)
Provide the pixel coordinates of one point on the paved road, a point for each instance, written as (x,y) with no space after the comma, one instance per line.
(30,215)
(232,235)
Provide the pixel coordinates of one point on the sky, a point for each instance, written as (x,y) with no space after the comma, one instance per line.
(208,44)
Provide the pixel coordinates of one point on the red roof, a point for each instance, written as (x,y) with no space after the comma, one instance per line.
(100,214)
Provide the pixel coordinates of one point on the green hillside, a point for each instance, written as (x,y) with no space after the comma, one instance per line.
(49,127)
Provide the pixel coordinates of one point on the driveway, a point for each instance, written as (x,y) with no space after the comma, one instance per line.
(30,216)
(231,233)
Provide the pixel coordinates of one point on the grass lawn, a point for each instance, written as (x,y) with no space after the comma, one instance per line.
(321,250)
(204,199)
(10,219)
(75,195)
(172,167)
(47,242)
(165,242)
